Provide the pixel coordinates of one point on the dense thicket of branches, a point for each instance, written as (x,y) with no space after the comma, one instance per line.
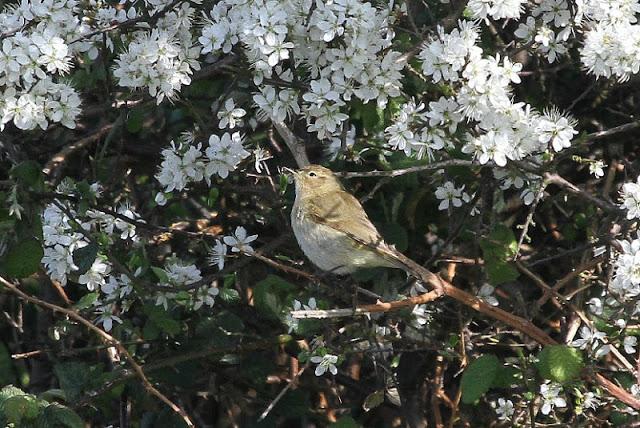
(148,272)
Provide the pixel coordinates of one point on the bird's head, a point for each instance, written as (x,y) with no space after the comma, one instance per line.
(315,179)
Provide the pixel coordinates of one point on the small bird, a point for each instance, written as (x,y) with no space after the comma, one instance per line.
(332,228)
(335,233)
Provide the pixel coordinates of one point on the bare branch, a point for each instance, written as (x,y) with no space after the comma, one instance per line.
(552,178)
(295,145)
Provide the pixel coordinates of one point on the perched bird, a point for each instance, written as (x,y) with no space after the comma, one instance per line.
(333,229)
(335,233)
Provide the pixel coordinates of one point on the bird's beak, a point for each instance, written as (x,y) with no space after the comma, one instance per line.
(290,171)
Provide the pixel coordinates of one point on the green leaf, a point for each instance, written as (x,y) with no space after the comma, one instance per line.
(29,174)
(229,295)
(373,400)
(7,375)
(160,274)
(560,363)
(269,295)
(53,395)
(478,377)
(59,415)
(134,120)
(23,259)
(74,377)
(8,392)
(84,257)
(212,198)
(162,319)
(20,407)
(283,183)
(345,422)
(506,377)
(498,249)
(86,301)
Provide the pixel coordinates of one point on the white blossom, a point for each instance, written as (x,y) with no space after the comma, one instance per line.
(550,393)
(218,254)
(324,363)
(630,195)
(504,409)
(230,116)
(630,343)
(450,195)
(205,296)
(239,241)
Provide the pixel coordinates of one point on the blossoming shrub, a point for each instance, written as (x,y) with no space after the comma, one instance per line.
(142,154)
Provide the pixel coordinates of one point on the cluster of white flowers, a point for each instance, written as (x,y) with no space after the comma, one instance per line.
(343,46)
(611,33)
(497,9)
(239,243)
(626,276)
(420,132)
(547,29)
(160,61)
(501,129)
(178,274)
(612,38)
(450,195)
(62,238)
(35,53)
(630,196)
(60,241)
(189,163)
(593,340)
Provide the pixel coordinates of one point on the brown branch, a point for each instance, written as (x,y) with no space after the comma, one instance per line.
(367,309)
(553,178)
(295,145)
(107,339)
(403,171)
(612,131)
(53,167)
(561,299)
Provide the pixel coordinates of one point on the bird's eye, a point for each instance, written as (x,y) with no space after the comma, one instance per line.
(312,174)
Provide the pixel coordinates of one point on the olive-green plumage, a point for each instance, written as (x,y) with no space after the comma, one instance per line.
(331,226)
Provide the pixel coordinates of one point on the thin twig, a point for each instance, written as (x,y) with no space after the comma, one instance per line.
(529,219)
(53,167)
(553,178)
(542,284)
(612,131)
(403,171)
(281,394)
(367,309)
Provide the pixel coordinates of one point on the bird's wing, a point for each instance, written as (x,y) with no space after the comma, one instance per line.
(343,208)
(346,208)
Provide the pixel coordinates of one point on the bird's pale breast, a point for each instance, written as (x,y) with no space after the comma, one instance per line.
(329,249)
